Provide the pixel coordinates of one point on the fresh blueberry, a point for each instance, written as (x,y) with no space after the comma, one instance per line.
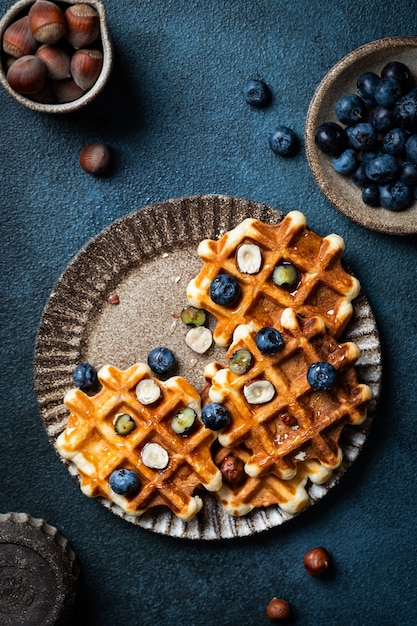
(382,119)
(215,416)
(85,376)
(257,93)
(359,177)
(382,169)
(396,196)
(284,141)
(345,163)
(363,136)
(405,111)
(388,92)
(370,195)
(124,482)
(366,84)
(411,148)
(269,340)
(224,290)
(350,109)
(371,154)
(400,72)
(161,361)
(330,138)
(408,173)
(394,141)
(321,375)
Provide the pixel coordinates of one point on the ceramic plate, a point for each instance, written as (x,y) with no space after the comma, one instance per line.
(341,80)
(148,258)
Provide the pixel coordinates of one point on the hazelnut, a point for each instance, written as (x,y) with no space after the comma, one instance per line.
(113,298)
(67,90)
(27,75)
(288,420)
(278,609)
(47,21)
(86,66)
(18,40)
(232,469)
(83,25)
(317,561)
(95,158)
(57,61)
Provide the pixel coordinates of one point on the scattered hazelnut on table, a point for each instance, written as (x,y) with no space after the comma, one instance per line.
(317,561)
(95,158)
(113,298)
(278,610)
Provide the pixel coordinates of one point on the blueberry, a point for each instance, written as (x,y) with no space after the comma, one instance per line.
(400,72)
(224,290)
(370,195)
(269,340)
(371,154)
(345,163)
(388,92)
(359,177)
(85,376)
(350,109)
(330,138)
(382,119)
(363,137)
(257,93)
(411,148)
(394,141)
(382,169)
(366,84)
(284,141)
(408,173)
(396,196)
(405,112)
(161,361)
(124,482)
(215,416)
(321,375)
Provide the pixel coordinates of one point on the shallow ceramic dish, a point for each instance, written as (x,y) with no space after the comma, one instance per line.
(21,8)
(148,258)
(341,79)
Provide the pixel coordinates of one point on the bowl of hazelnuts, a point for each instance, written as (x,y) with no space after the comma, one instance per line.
(56,56)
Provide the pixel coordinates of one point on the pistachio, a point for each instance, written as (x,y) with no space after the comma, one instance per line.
(249,258)
(259,391)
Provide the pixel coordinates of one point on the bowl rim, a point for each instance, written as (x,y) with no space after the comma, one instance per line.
(66,107)
(356,55)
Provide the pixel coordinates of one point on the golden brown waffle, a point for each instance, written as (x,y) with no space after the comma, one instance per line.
(325,289)
(239,497)
(298,423)
(94,447)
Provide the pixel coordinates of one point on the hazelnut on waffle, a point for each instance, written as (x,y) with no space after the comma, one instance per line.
(251,253)
(169,470)
(241,493)
(295,422)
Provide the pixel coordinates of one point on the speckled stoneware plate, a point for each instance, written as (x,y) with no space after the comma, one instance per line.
(341,79)
(148,258)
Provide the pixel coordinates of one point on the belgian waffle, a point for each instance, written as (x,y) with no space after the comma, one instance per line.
(93,446)
(324,288)
(298,423)
(242,496)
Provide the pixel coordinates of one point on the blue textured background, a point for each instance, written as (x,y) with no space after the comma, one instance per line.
(174,116)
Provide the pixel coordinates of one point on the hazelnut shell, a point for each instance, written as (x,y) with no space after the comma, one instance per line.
(27,75)
(95,158)
(18,40)
(278,609)
(47,21)
(57,61)
(317,561)
(86,65)
(83,25)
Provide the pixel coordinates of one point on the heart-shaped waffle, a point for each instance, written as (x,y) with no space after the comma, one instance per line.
(323,288)
(243,493)
(298,422)
(93,445)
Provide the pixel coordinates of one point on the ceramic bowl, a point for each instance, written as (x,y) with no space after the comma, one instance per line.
(21,8)
(341,79)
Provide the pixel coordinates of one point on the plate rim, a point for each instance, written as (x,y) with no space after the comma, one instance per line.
(310,126)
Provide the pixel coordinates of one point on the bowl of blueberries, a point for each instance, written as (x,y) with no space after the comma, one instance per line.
(361,135)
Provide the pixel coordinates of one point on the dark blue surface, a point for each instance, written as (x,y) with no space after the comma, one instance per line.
(176,120)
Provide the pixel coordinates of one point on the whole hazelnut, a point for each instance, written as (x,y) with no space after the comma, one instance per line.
(232,469)
(83,25)
(57,61)
(278,609)
(95,158)
(67,90)
(27,75)
(47,21)
(86,65)
(317,561)
(18,40)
